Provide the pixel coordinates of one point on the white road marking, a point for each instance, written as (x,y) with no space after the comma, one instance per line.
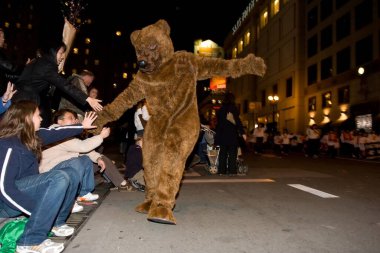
(313,191)
(228,180)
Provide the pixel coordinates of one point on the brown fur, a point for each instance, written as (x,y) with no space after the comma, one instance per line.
(168,83)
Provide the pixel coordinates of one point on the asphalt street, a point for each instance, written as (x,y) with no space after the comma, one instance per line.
(292,204)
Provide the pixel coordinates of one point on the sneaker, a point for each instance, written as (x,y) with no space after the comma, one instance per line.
(77,208)
(127,187)
(63,230)
(88,197)
(46,246)
(137,185)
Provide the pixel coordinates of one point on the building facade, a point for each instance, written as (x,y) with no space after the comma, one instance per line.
(313,50)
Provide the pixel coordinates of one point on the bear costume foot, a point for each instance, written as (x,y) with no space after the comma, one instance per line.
(161,214)
(143,207)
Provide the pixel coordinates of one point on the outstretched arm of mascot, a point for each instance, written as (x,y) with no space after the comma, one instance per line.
(209,67)
(125,100)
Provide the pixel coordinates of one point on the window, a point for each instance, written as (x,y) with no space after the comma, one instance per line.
(275,89)
(275,5)
(364,51)
(340,3)
(312,74)
(343,26)
(326,100)
(264,18)
(312,18)
(363,14)
(344,95)
(240,46)
(326,37)
(343,60)
(312,46)
(247,38)
(234,53)
(312,104)
(326,68)
(326,8)
(289,87)
(245,106)
(263,97)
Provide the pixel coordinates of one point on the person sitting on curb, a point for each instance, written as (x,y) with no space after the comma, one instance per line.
(45,198)
(80,155)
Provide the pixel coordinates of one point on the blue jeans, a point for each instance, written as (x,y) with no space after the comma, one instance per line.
(54,193)
(83,166)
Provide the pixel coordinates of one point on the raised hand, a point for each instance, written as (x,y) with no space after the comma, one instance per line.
(94,103)
(89,118)
(8,94)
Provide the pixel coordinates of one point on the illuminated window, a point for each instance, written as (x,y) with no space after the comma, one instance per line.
(7,24)
(234,53)
(87,51)
(264,18)
(30,26)
(275,7)
(75,50)
(344,95)
(312,104)
(87,41)
(18,25)
(125,75)
(240,46)
(247,38)
(96,62)
(326,100)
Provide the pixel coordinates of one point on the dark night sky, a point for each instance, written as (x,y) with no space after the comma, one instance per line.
(189,19)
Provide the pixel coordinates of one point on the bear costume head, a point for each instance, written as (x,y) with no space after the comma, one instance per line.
(153,46)
(167,79)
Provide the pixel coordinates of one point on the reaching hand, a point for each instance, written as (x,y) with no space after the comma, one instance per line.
(94,103)
(105,132)
(89,118)
(8,94)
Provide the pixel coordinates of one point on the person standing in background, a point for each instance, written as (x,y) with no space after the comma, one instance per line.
(228,128)
(9,72)
(141,117)
(82,82)
(313,141)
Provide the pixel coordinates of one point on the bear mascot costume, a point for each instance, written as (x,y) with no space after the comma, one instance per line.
(167,80)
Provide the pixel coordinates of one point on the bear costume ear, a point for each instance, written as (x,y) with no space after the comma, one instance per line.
(164,26)
(134,36)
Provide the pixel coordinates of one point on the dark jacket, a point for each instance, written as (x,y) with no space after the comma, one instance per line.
(226,132)
(18,162)
(40,76)
(8,70)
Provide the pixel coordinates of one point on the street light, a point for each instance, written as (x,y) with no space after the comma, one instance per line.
(273,100)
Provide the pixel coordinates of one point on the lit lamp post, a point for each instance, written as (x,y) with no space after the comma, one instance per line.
(273,100)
